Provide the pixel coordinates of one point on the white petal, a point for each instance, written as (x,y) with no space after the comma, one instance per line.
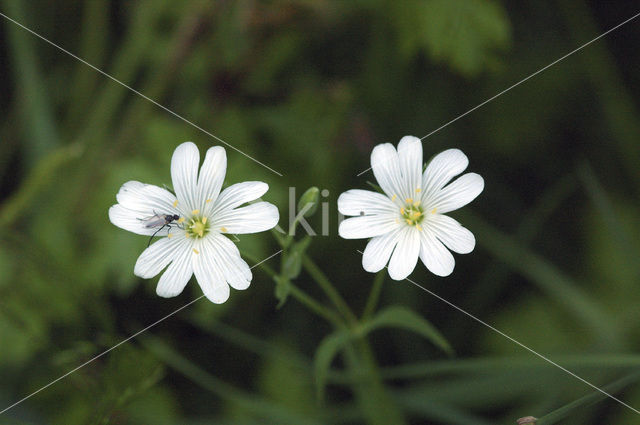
(455,237)
(184,174)
(235,270)
(367,226)
(378,251)
(146,199)
(211,177)
(253,218)
(434,255)
(238,194)
(131,221)
(209,273)
(458,194)
(159,255)
(177,275)
(356,202)
(410,155)
(386,168)
(442,168)
(405,256)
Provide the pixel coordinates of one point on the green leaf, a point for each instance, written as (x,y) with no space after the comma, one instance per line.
(282,289)
(596,396)
(330,346)
(553,282)
(465,34)
(404,318)
(293,258)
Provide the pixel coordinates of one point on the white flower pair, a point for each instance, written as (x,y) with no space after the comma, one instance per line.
(405,224)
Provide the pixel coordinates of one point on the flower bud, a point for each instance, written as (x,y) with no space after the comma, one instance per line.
(311,196)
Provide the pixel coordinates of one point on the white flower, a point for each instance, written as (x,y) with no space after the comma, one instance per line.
(193,243)
(409,222)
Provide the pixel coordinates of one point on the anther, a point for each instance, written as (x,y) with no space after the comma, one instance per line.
(196,251)
(195,212)
(175,203)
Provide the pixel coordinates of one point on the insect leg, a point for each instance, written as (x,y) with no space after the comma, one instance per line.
(155,233)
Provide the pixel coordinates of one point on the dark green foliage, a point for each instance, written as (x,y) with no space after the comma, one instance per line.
(309,88)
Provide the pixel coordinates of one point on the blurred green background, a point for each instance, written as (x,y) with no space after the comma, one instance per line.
(308,88)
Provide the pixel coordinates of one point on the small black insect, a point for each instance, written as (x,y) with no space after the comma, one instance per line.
(159,221)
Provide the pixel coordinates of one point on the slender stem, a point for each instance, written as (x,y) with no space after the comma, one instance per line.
(376,404)
(301,296)
(315,306)
(374,295)
(326,285)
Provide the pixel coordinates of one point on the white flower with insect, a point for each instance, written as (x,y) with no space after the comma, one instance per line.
(407,222)
(192,224)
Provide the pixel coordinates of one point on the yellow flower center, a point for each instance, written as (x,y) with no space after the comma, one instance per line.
(197,227)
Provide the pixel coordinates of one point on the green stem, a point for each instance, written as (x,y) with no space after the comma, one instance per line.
(328,288)
(374,295)
(315,306)
(374,401)
(304,298)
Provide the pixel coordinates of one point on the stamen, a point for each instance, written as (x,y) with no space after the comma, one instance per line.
(409,222)
(175,203)
(433,211)
(196,251)
(204,220)
(416,203)
(169,235)
(207,201)
(224,229)
(393,198)
(409,200)
(195,212)
(402,211)
(418,227)
(181,220)
(418,190)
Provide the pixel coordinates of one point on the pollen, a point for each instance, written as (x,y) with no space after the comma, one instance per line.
(181,220)
(207,201)
(409,222)
(224,229)
(169,235)
(416,203)
(418,190)
(409,200)
(393,198)
(197,227)
(402,211)
(196,251)
(419,227)
(433,211)
(175,203)
(194,212)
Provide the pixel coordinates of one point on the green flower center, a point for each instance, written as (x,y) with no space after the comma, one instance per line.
(197,227)
(412,213)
